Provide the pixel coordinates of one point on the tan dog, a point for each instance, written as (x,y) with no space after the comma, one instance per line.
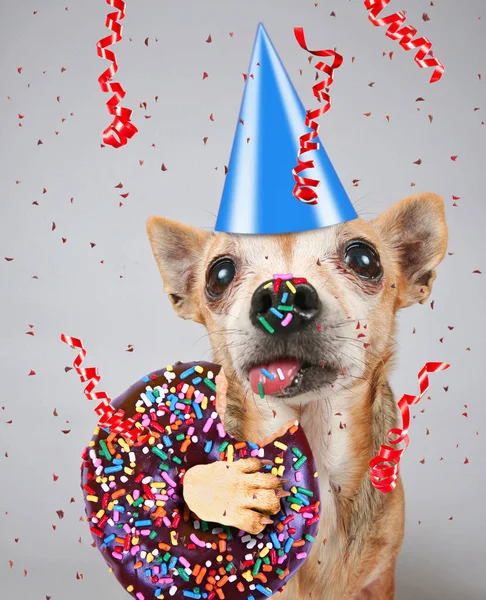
(360,273)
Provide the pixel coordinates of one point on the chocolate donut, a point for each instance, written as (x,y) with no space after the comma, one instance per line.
(155,546)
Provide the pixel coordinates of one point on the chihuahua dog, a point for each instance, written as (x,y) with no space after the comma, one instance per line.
(336,360)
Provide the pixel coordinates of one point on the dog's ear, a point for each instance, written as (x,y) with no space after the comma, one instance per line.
(179,251)
(415,232)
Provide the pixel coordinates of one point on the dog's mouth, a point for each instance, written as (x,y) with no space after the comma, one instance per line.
(289,377)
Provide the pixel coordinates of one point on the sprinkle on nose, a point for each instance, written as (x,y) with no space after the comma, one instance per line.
(284,304)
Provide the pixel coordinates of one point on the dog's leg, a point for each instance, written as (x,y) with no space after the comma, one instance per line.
(234,494)
(382,588)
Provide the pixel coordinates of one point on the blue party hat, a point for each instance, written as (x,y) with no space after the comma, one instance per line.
(258,192)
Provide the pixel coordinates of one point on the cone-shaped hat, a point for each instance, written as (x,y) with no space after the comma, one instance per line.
(258,192)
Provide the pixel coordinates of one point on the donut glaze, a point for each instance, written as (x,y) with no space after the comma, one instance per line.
(154,545)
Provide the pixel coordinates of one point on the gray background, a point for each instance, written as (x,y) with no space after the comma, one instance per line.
(66,288)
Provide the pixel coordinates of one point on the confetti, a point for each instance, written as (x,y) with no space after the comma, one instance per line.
(121,129)
(108,416)
(303,189)
(405,35)
(384,468)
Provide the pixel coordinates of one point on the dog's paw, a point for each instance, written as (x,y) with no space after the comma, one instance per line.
(235,494)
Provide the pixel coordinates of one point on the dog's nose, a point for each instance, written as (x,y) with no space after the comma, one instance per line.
(284,304)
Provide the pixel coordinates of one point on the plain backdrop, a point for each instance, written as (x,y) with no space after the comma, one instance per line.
(74,260)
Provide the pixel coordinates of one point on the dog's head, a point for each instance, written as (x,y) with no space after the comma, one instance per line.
(358,274)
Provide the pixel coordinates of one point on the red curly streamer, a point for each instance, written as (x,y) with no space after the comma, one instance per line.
(120,129)
(303,189)
(108,416)
(385,468)
(405,36)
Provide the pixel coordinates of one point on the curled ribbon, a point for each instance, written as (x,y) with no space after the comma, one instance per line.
(303,189)
(120,129)
(108,417)
(385,468)
(405,36)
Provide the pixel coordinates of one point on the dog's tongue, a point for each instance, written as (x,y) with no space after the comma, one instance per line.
(283,372)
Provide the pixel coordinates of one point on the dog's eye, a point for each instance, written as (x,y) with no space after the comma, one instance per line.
(220,275)
(363,260)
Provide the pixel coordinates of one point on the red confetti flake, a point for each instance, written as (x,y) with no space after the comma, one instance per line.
(39,142)
(419,99)
(55,477)
(130,348)
(368,114)
(209,40)
(119,186)
(205,140)
(425,17)
(11,563)
(464,414)
(163,167)
(32,372)
(371,84)
(417,162)
(60,514)
(211,117)
(432,304)
(54,412)
(422,462)
(431,118)
(466,461)
(333,14)
(8,259)
(53,226)
(446,388)
(454,158)
(66,431)
(125,196)
(205,75)
(427,432)
(146,41)
(477,271)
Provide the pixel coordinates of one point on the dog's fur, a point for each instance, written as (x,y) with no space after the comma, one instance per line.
(347,418)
